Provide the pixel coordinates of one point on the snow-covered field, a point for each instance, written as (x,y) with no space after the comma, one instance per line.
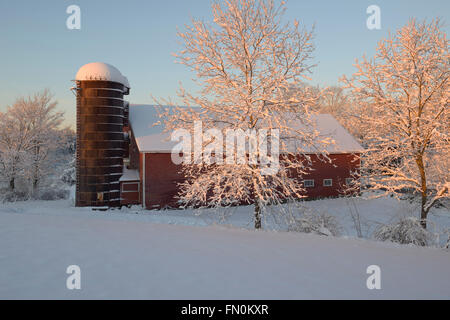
(133,253)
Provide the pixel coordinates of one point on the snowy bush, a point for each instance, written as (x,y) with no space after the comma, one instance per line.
(72,192)
(69,175)
(52,194)
(13,196)
(405,231)
(446,233)
(320,223)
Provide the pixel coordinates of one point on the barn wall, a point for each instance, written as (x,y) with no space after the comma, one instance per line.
(133,152)
(338,170)
(141,177)
(162,177)
(130,193)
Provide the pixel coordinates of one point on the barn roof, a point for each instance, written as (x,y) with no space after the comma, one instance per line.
(147,129)
(150,138)
(129,175)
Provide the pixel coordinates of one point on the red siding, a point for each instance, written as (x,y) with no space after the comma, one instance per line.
(162,176)
(130,193)
(133,152)
(341,168)
(133,196)
(161,179)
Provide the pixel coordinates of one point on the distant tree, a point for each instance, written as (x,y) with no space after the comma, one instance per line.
(44,122)
(67,141)
(15,136)
(405,89)
(30,130)
(69,174)
(334,101)
(246,63)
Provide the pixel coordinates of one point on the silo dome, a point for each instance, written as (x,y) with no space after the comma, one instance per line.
(101,71)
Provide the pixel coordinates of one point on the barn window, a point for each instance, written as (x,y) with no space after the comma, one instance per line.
(308,183)
(130,187)
(327,182)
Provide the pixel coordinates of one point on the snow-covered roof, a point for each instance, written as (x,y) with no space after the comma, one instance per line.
(329,127)
(129,175)
(148,131)
(101,71)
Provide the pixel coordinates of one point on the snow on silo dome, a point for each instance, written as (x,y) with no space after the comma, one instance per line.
(101,71)
(125,82)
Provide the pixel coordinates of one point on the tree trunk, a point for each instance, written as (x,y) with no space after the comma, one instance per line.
(36,169)
(35,179)
(35,185)
(423,191)
(423,217)
(257,215)
(12,180)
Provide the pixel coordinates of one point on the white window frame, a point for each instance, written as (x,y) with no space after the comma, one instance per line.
(328,185)
(308,180)
(129,183)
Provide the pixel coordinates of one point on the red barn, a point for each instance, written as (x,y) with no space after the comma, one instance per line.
(150,178)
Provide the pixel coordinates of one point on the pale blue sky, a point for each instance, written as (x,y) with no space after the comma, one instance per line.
(138,37)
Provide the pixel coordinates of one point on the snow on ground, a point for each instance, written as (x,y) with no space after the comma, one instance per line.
(133,253)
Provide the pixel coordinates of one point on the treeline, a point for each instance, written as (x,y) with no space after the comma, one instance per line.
(34,146)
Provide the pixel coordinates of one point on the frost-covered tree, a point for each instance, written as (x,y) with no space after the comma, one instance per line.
(405,89)
(66,153)
(334,101)
(43,121)
(247,62)
(339,103)
(29,133)
(69,174)
(15,136)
